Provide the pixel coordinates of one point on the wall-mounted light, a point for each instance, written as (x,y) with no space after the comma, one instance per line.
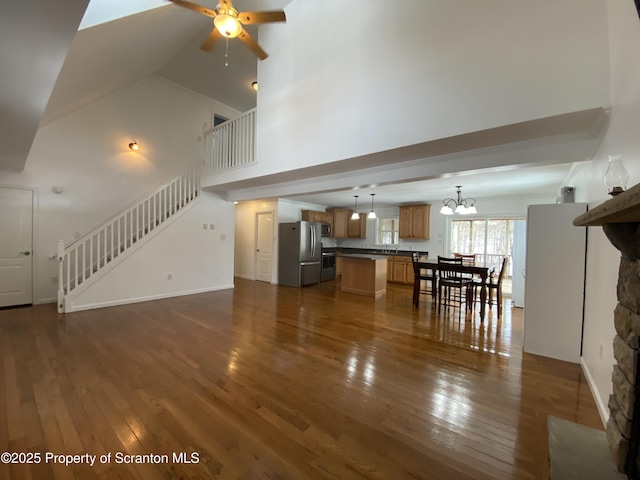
(255,86)
(134,146)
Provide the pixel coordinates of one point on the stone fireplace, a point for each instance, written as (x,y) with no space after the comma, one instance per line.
(620,219)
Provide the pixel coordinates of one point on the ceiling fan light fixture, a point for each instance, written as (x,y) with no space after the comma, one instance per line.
(227,25)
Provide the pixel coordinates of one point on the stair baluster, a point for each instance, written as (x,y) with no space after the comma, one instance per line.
(80,261)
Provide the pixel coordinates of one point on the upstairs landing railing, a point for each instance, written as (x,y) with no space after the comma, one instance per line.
(89,255)
(231,144)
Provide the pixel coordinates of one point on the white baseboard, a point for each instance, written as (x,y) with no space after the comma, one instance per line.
(245,277)
(603,409)
(42,301)
(113,303)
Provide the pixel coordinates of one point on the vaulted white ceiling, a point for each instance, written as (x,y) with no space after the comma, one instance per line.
(34,39)
(164,41)
(48,62)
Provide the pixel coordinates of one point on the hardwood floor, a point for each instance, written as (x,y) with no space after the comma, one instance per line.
(278,382)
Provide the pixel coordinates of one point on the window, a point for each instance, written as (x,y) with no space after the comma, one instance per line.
(218,119)
(388,231)
(488,238)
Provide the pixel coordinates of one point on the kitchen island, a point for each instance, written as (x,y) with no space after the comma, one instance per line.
(364,274)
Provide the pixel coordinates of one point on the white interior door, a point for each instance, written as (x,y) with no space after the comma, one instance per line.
(16,218)
(264,246)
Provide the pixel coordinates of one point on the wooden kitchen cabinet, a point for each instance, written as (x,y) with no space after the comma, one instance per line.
(326,217)
(414,221)
(400,270)
(357,228)
(341,218)
(314,216)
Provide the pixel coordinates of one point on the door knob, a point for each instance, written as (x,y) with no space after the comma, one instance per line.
(25,253)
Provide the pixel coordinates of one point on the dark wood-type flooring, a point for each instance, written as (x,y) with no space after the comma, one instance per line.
(278,382)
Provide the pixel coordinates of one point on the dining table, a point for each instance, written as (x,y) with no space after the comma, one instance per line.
(482,270)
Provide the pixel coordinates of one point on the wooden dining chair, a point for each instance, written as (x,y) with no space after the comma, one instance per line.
(467,258)
(494,286)
(420,274)
(451,281)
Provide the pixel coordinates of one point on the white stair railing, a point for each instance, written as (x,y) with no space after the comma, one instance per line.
(231,144)
(88,256)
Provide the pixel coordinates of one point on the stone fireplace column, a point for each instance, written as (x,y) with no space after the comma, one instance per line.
(620,219)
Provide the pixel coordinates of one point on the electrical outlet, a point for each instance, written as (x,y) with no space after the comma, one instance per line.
(205,226)
(212,226)
(223,236)
(169,276)
(54,279)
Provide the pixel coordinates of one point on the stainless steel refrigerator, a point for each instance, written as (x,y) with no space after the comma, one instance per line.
(299,253)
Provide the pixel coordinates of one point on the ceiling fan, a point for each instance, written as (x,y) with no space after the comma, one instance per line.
(228,23)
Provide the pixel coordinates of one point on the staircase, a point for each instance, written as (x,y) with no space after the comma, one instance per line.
(89,257)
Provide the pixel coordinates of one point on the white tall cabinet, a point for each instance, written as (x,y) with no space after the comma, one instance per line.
(519,256)
(554,290)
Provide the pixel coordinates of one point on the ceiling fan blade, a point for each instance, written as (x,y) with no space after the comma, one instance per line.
(211,40)
(249,18)
(195,7)
(252,44)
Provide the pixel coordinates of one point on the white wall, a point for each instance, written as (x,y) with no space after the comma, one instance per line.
(86,153)
(245,238)
(245,230)
(434,70)
(621,138)
(197,260)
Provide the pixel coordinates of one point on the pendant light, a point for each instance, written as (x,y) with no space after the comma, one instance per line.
(355,215)
(372,214)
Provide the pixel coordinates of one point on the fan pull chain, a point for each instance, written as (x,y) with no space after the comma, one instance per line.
(226,54)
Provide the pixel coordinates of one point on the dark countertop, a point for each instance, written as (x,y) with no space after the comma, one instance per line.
(365,256)
(372,251)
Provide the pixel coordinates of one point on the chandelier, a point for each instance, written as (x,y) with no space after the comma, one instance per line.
(460,205)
